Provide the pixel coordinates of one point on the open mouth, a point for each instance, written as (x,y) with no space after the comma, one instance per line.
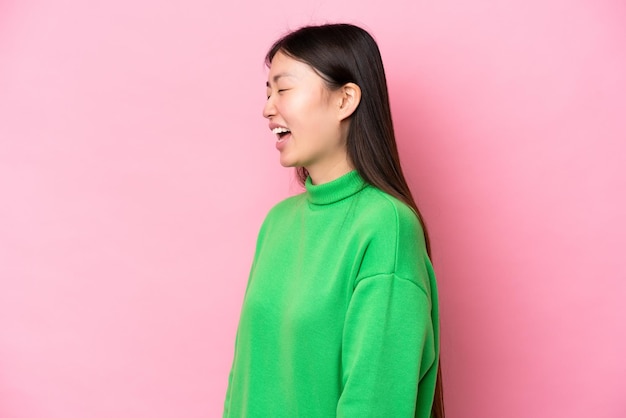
(281,133)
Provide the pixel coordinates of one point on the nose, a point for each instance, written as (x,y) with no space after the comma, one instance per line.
(268,109)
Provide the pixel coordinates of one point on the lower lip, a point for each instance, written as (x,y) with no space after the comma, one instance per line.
(280,144)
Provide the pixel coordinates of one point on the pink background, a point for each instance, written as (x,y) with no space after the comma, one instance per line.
(135,170)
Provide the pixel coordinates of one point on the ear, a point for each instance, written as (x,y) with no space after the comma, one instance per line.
(349,99)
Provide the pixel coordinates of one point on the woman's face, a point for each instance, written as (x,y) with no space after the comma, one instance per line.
(304,115)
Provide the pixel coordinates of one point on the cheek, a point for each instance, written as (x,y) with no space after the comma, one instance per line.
(306,113)
(315,114)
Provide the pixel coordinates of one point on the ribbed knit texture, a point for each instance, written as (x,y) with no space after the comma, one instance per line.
(340,317)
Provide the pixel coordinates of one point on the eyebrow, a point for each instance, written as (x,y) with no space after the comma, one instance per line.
(277,77)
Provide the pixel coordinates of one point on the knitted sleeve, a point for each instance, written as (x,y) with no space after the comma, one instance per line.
(388,345)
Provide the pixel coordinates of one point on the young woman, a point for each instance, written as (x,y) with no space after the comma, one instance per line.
(340,317)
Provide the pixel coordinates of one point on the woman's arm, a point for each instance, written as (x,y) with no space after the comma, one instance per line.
(388,345)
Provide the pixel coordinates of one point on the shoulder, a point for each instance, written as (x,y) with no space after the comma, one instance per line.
(282,212)
(286,205)
(396,242)
(387,212)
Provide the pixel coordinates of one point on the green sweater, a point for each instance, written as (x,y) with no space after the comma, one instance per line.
(340,317)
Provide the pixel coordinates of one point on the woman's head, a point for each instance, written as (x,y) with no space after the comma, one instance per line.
(310,119)
(346,55)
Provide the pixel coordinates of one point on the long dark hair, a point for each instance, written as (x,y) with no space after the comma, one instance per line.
(340,54)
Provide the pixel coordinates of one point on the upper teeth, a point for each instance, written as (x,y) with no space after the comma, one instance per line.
(280,130)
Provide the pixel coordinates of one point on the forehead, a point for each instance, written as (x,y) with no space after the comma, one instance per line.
(283,66)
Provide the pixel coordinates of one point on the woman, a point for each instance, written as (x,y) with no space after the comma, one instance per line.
(340,316)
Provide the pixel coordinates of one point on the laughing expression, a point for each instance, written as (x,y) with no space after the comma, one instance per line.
(302,113)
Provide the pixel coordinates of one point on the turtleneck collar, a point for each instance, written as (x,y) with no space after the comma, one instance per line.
(336,190)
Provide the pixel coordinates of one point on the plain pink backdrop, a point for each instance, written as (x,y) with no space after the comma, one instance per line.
(135,170)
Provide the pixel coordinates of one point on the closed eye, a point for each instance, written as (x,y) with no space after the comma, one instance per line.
(269,91)
(278,91)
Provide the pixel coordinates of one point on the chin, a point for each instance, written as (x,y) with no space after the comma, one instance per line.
(288,163)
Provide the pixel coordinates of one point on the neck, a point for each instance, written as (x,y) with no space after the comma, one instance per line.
(321,175)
